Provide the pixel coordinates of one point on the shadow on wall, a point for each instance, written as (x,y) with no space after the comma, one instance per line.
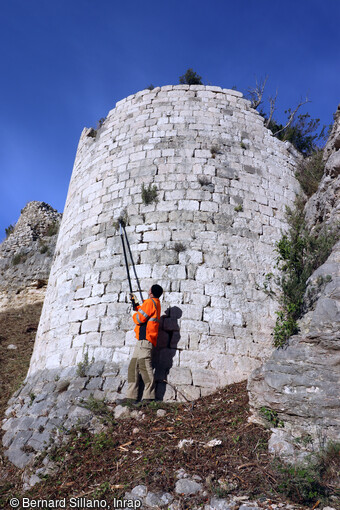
(168,338)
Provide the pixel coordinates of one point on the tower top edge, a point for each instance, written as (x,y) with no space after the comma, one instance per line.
(168,88)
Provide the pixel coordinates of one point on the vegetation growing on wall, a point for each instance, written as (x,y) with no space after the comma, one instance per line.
(9,230)
(300,253)
(310,171)
(149,194)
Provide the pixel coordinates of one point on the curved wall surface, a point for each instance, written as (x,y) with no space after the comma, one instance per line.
(222,185)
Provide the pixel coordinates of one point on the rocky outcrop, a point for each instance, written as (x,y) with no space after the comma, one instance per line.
(300,383)
(323,208)
(26,255)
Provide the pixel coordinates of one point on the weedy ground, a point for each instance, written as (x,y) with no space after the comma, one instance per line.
(119,457)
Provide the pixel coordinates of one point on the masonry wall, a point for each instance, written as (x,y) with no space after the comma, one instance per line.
(223,182)
(26,256)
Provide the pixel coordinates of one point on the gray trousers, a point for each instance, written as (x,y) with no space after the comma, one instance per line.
(141,364)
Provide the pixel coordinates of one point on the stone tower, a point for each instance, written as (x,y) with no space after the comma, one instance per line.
(222,182)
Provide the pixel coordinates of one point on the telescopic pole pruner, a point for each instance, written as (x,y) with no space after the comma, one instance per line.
(122,228)
(133,264)
(125,258)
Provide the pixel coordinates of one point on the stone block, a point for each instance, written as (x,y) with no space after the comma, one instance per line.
(83,293)
(176,272)
(179,375)
(205,378)
(205,274)
(215,289)
(95,383)
(187,392)
(112,384)
(196,359)
(191,257)
(208,206)
(188,205)
(18,457)
(192,326)
(79,314)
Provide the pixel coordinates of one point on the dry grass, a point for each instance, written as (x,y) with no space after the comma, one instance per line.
(18,327)
(109,463)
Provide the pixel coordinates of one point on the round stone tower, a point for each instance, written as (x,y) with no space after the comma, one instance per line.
(222,184)
(207,237)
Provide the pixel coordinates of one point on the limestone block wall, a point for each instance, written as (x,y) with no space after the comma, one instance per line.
(223,182)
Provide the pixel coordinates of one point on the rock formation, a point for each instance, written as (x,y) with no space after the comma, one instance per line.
(301,382)
(26,255)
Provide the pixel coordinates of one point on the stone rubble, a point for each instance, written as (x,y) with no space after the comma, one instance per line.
(186,487)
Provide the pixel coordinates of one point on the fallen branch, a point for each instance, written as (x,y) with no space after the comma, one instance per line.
(248,464)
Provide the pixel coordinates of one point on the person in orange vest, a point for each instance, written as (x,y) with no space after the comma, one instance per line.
(146,317)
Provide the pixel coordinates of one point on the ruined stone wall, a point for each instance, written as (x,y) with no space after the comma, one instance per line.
(26,255)
(223,182)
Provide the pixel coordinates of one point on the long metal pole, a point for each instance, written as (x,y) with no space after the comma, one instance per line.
(126,262)
(133,264)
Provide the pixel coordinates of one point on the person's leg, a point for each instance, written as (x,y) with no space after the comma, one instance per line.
(133,375)
(145,369)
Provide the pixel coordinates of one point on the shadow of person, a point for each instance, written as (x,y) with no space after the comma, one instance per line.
(168,338)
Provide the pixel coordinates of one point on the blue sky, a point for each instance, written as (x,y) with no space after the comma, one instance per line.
(66,63)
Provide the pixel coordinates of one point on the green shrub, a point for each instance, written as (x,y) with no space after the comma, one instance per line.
(214,151)
(84,365)
(300,253)
(190,78)
(310,172)
(317,479)
(18,258)
(271,416)
(43,248)
(179,247)
(52,229)
(204,180)
(9,230)
(300,484)
(100,122)
(149,194)
(238,208)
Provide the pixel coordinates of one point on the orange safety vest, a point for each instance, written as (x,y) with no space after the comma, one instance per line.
(147,320)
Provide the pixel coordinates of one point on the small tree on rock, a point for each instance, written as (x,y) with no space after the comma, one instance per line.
(190,78)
